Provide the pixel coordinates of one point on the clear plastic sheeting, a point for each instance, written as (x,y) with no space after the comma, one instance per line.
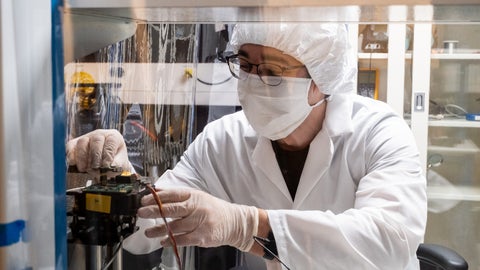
(158,88)
(27,230)
(136,87)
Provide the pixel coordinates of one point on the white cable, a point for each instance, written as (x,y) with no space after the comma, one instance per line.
(449,107)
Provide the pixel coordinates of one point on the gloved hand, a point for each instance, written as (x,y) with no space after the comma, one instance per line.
(100,148)
(201,219)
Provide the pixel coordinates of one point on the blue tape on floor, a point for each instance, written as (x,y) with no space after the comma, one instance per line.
(11,233)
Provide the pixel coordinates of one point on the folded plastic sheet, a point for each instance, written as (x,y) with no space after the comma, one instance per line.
(27,230)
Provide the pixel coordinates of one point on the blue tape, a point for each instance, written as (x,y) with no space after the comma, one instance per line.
(11,233)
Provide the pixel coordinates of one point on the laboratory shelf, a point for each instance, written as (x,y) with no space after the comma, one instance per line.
(367,56)
(457,193)
(454,123)
(465,147)
(448,123)
(372,56)
(456,56)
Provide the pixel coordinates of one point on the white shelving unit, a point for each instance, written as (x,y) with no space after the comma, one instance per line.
(422,55)
(457,194)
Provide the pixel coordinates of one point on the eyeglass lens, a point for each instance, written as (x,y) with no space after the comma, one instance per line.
(270,74)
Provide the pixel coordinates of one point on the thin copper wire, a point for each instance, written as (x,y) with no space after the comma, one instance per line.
(170,233)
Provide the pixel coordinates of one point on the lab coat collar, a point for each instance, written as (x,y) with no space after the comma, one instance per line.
(338,117)
(338,121)
(264,158)
(318,160)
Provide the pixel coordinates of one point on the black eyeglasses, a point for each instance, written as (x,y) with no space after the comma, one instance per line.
(270,74)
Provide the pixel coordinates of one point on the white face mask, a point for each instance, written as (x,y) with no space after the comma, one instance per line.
(275,111)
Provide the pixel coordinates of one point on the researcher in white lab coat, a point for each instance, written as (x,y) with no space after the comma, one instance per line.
(331,178)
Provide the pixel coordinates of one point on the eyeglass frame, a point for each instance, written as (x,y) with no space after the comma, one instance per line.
(282,68)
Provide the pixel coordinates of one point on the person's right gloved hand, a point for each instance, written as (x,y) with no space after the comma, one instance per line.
(101,148)
(200,219)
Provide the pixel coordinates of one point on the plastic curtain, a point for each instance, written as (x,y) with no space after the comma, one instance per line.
(27,230)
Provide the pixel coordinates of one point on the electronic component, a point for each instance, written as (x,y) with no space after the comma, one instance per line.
(105,213)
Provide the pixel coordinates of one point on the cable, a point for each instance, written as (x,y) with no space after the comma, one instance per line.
(170,233)
(260,241)
(451,110)
(144,129)
(449,107)
(114,256)
(215,83)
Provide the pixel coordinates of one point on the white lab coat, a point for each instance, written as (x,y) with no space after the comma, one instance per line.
(361,201)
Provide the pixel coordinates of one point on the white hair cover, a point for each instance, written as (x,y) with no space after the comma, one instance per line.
(323,48)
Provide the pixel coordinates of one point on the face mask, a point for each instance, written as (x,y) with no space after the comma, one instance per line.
(275,111)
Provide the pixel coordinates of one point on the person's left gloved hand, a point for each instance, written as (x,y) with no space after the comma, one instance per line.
(201,219)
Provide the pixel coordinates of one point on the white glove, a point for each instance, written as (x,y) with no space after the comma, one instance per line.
(137,243)
(201,219)
(100,148)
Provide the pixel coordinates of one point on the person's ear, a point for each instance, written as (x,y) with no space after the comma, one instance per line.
(314,94)
(313,88)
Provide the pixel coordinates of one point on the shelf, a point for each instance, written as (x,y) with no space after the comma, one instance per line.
(454,123)
(448,123)
(456,56)
(456,193)
(368,56)
(440,56)
(465,147)
(460,54)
